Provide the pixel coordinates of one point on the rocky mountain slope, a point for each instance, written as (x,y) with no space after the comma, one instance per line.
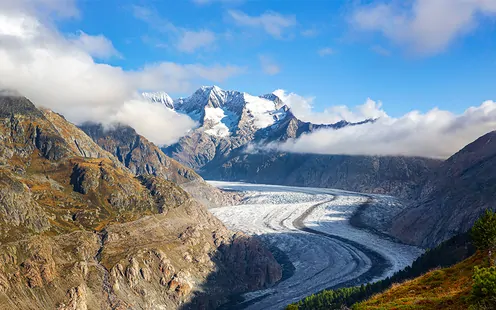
(397,176)
(78,230)
(235,128)
(144,158)
(453,196)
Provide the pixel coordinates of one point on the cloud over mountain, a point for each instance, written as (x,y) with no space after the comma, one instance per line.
(58,71)
(436,134)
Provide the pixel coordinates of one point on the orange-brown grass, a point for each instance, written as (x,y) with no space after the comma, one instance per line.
(447,288)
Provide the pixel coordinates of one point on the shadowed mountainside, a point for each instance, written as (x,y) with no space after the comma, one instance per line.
(453,196)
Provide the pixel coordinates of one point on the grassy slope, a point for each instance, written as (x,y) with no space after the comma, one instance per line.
(447,254)
(447,288)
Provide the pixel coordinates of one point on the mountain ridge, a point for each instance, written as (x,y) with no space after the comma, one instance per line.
(144,158)
(79,230)
(452,196)
(228,148)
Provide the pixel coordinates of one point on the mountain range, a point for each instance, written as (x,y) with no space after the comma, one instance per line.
(234,133)
(99,217)
(235,130)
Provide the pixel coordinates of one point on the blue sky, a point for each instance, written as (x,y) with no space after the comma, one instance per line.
(430,63)
(359,63)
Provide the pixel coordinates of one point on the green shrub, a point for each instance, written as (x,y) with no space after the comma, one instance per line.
(484,286)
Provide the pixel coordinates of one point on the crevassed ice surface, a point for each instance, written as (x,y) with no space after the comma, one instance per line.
(271,212)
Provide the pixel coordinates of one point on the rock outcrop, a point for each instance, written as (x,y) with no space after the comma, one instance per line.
(79,230)
(144,158)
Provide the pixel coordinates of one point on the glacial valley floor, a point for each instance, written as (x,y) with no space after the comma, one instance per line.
(312,227)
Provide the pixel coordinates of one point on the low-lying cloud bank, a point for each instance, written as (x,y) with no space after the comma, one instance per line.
(59,71)
(437,133)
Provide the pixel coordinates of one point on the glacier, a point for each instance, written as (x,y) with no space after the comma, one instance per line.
(312,227)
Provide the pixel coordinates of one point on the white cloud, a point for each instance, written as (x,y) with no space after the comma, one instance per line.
(61,8)
(302,108)
(193,40)
(185,40)
(56,73)
(325,51)
(380,50)
(436,134)
(97,46)
(426,26)
(268,65)
(143,115)
(273,23)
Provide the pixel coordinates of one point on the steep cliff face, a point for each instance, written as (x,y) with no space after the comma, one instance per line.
(78,230)
(144,158)
(396,176)
(453,196)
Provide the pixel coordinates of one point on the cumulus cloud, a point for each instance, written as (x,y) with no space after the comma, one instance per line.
(273,23)
(302,107)
(54,72)
(436,134)
(423,26)
(61,8)
(96,46)
(268,65)
(167,125)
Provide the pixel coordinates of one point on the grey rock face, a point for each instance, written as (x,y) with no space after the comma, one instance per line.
(10,105)
(453,196)
(144,158)
(137,153)
(396,176)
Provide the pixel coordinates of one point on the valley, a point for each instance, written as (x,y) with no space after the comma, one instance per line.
(312,227)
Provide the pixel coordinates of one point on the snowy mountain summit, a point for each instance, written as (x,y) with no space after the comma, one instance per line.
(160,97)
(232,127)
(224,113)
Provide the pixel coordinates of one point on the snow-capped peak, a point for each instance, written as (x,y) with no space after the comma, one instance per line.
(224,112)
(275,98)
(210,96)
(160,97)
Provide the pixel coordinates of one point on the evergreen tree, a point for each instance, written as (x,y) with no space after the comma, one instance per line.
(483,233)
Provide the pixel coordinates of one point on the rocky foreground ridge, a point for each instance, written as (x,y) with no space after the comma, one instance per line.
(79,230)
